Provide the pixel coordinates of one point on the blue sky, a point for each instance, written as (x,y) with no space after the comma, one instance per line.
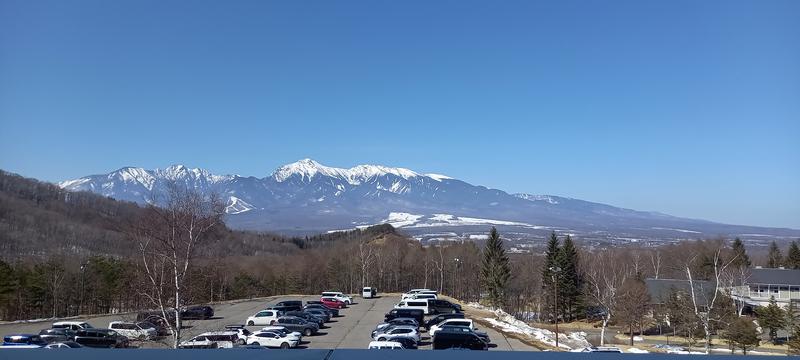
(686,107)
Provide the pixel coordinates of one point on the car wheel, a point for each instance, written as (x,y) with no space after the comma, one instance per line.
(453,311)
(381,339)
(256,343)
(272,322)
(307,332)
(284,346)
(250,323)
(142,337)
(241,342)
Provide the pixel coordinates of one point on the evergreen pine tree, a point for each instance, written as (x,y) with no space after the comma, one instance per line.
(771,317)
(741,334)
(793,256)
(569,281)
(774,259)
(495,269)
(550,263)
(741,259)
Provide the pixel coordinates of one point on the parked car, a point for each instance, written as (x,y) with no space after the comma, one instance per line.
(468,323)
(438,306)
(458,340)
(414,304)
(416,314)
(385,345)
(396,331)
(326,315)
(398,321)
(283,330)
(411,293)
(439,318)
(407,343)
(101,338)
(28,340)
(264,317)
(307,317)
(271,339)
(133,331)
(332,302)
(288,305)
(297,324)
(240,331)
(197,313)
(72,325)
(56,335)
(161,329)
(339,296)
(157,318)
(422,296)
(318,305)
(369,292)
(220,339)
(482,335)
(64,345)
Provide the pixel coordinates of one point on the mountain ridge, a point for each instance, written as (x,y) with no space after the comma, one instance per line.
(307,196)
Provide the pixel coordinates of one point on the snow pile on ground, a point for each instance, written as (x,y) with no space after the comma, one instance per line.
(637,351)
(507,323)
(638,338)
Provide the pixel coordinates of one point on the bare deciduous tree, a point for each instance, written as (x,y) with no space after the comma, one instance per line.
(167,238)
(704,313)
(605,278)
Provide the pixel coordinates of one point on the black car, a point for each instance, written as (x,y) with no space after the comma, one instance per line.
(100,338)
(443,306)
(406,342)
(326,315)
(197,313)
(306,316)
(157,318)
(333,312)
(416,314)
(160,326)
(482,335)
(439,318)
(57,335)
(289,305)
(458,340)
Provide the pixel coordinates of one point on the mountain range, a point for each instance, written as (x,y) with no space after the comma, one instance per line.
(307,197)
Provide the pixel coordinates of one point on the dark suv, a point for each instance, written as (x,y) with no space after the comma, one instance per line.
(439,318)
(197,313)
(445,339)
(288,305)
(100,338)
(416,314)
(443,307)
(307,317)
(293,323)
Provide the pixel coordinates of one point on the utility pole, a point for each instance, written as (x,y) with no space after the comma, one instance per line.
(555,271)
(83,287)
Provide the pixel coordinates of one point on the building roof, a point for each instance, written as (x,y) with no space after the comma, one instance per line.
(660,289)
(774,276)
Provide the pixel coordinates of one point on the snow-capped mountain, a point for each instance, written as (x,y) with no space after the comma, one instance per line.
(307,196)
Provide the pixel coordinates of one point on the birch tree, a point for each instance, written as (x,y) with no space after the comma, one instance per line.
(167,239)
(704,313)
(605,278)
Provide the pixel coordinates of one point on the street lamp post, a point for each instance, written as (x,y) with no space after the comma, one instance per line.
(83,286)
(455,277)
(555,270)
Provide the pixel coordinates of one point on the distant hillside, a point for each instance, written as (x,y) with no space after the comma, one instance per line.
(39,220)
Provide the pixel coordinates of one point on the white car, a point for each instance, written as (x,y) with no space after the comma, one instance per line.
(424,297)
(396,331)
(414,304)
(272,339)
(216,339)
(412,292)
(385,345)
(72,325)
(283,330)
(338,296)
(468,323)
(264,317)
(133,331)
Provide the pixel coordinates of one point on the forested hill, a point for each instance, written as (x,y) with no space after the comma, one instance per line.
(41,220)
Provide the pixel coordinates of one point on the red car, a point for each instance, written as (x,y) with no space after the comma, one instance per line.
(332,302)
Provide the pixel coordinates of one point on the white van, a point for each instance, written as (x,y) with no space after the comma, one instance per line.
(411,293)
(369,292)
(422,296)
(414,304)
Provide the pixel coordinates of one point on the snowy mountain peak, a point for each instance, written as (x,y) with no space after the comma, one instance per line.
(306,169)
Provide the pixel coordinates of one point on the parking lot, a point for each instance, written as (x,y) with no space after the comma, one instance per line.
(351,330)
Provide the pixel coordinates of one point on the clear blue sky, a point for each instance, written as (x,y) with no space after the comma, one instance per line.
(686,107)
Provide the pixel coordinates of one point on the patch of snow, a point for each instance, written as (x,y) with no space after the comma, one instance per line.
(478,237)
(307,169)
(634,350)
(237,206)
(678,230)
(401,219)
(531,197)
(438,177)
